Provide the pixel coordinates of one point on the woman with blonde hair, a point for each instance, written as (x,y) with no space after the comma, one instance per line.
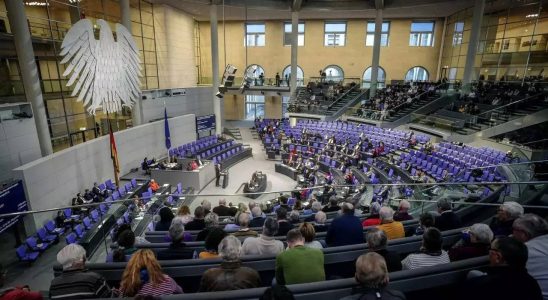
(143,276)
(309,234)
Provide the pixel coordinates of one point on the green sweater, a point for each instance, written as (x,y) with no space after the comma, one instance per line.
(299,265)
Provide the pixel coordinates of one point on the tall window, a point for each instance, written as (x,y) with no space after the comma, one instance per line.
(457,35)
(416,74)
(334,73)
(254,106)
(422,34)
(253,73)
(254,34)
(335,34)
(286,76)
(287,34)
(370,36)
(381,78)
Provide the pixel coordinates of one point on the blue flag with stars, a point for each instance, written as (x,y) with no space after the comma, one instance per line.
(166,125)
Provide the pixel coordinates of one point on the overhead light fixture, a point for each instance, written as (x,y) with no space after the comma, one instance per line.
(531,16)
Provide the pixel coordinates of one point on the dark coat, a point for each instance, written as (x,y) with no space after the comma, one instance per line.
(447,220)
(196,224)
(283,228)
(367,293)
(345,230)
(393,260)
(175,251)
(468,250)
(502,283)
(257,222)
(230,276)
(501,228)
(222,210)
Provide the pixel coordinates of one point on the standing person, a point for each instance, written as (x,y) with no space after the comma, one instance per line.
(277,79)
(299,264)
(218,174)
(76,282)
(143,276)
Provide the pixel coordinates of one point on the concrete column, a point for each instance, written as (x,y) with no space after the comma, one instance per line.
(215,68)
(477,16)
(376,53)
(294,50)
(29,71)
(136,110)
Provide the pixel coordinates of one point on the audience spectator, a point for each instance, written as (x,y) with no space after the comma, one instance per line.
(222,209)
(309,234)
(299,264)
(126,246)
(230,275)
(333,205)
(265,243)
(211,221)
(75,282)
(374,218)
(177,249)
(315,207)
(283,224)
(198,223)
(183,213)
(345,229)
(242,208)
(392,229)
(153,185)
(294,217)
(476,242)
(501,224)
(277,292)
(376,242)
(426,221)
(143,276)
(244,231)
(258,217)
(507,277)
(447,219)
(207,206)
(431,253)
(533,231)
(372,276)
(319,224)
(402,214)
(166,216)
(212,241)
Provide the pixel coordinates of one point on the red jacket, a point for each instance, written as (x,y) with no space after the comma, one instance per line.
(18,293)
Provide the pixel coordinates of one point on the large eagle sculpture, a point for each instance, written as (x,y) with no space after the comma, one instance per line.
(106,72)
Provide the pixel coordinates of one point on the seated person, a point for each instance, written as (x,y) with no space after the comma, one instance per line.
(502,223)
(211,221)
(377,240)
(265,243)
(475,242)
(447,219)
(403,211)
(374,217)
(393,229)
(431,252)
(198,223)
(244,231)
(231,275)
(299,264)
(153,185)
(507,271)
(258,217)
(283,224)
(177,249)
(372,275)
(346,229)
(75,282)
(426,221)
(309,235)
(333,205)
(212,241)
(319,222)
(126,246)
(166,216)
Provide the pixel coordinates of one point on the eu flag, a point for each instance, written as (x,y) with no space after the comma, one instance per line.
(166,126)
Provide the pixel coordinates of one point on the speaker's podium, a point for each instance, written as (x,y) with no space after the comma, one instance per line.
(196,179)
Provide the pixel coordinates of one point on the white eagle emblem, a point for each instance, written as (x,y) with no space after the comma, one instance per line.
(106,72)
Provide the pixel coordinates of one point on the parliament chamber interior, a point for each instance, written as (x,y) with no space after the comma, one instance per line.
(274,149)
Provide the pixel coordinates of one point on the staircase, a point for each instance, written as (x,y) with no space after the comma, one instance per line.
(234,133)
(498,117)
(407,110)
(339,106)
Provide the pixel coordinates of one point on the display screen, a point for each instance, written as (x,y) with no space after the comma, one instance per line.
(206,122)
(12,199)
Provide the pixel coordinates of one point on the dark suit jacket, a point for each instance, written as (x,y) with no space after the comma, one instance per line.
(222,210)
(196,224)
(345,230)
(257,222)
(393,260)
(175,251)
(283,228)
(447,220)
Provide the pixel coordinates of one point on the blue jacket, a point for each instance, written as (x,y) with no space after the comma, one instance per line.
(345,230)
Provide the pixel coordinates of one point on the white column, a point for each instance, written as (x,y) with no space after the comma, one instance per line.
(29,71)
(477,16)
(215,68)
(376,53)
(294,50)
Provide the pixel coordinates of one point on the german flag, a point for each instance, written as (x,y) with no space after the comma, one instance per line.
(114,154)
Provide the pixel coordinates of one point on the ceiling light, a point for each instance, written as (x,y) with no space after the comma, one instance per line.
(531,16)
(36,3)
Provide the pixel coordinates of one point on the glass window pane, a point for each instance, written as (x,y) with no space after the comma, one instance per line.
(385,26)
(370,39)
(384,39)
(459,26)
(370,26)
(255,28)
(335,27)
(422,26)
